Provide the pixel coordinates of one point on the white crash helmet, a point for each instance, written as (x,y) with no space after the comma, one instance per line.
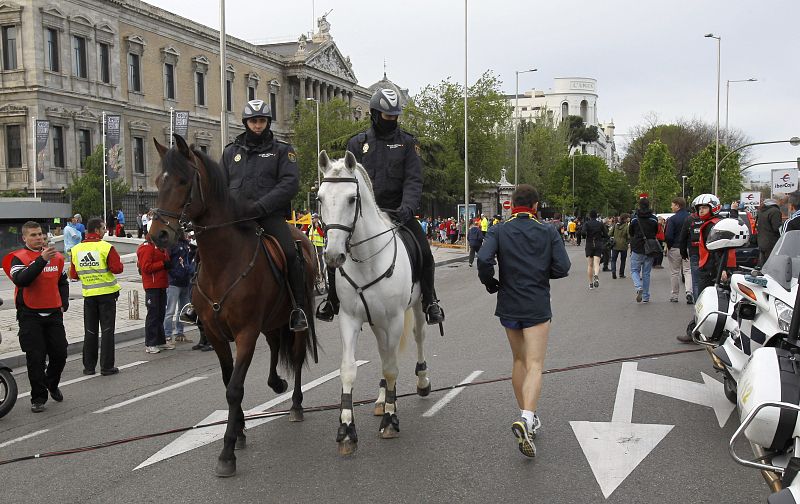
(707,199)
(727,233)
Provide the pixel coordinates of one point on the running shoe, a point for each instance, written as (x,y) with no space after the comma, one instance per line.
(689,298)
(638,295)
(151,349)
(169,345)
(596,281)
(524,438)
(537,424)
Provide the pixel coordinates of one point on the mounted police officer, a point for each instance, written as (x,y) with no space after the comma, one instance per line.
(263,178)
(391,158)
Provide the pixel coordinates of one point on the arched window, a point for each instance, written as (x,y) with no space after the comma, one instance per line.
(564,111)
(585,111)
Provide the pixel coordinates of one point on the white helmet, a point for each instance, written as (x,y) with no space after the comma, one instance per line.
(707,199)
(727,233)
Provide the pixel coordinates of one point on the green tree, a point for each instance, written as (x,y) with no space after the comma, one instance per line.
(580,133)
(618,192)
(657,176)
(702,179)
(542,145)
(589,192)
(87,190)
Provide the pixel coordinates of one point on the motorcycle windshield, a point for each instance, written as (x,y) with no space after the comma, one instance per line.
(783,264)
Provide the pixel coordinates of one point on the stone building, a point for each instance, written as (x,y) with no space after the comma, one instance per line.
(575,96)
(71,60)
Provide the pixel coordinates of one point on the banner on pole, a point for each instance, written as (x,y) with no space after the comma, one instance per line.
(751,199)
(113,149)
(784,181)
(42,134)
(181,126)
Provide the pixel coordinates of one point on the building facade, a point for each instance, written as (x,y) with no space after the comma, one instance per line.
(70,61)
(576,96)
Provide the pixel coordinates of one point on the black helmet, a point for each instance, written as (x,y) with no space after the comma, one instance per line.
(256,108)
(386,101)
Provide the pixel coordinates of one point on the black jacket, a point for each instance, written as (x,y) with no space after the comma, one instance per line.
(672,234)
(265,174)
(769,226)
(596,234)
(530,253)
(648,229)
(394,167)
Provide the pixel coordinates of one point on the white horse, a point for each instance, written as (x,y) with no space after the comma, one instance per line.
(374,285)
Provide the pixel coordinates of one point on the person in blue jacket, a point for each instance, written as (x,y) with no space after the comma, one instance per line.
(531,253)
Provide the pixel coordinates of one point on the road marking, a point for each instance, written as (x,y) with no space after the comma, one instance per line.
(197,438)
(151,394)
(89,377)
(26,436)
(614,449)
(441,403)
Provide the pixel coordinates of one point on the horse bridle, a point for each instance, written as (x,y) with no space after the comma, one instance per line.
(181,220)
(347,229)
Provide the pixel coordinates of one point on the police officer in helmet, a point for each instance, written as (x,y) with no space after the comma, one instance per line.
(390,157)
(263,178)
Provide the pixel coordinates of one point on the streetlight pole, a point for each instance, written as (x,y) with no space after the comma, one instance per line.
(516,123)
(727,96)
(716,149)
(318,150)
(466,126)
(683,186)
(794,141)
(223,113)
(573,184)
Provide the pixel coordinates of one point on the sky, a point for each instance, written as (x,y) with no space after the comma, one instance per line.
(649,58)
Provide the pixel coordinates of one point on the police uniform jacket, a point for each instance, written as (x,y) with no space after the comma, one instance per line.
(530,254)
(394,167)
(264,174)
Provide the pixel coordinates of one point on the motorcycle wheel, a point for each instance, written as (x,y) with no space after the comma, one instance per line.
(8,392)
(729,387)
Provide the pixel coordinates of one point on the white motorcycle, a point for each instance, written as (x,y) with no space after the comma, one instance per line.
(762,303)
(768,396)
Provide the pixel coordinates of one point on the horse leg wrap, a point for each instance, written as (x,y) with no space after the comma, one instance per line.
(391,396)
(346,430)
(390,419)
(382,383)
(347,401)
(421,366)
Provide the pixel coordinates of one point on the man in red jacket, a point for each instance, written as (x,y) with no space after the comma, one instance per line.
(153,263)
(41,295)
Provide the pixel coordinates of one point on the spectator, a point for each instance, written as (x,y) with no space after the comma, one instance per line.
(608,223)
(572,228)
(475,239)
(317,237)
(620,248)
(769,229)
(179,289)
(793,222)
(678,265)
(532,254)
(644,226)
(484,224)
(139,230)
(153,264)
(120,229)
(659,259)
(41,296)
(79,225)
(72,236)
(95,262)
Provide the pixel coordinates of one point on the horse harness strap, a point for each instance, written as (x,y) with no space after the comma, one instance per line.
(360,290)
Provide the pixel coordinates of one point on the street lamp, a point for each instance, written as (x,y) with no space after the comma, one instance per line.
(683,186)
(716,149)
(317,104)
(516,123)
(794,142)
(139,192)
(727,96)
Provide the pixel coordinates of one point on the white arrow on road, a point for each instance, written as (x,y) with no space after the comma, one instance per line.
(614,449)
(197,438)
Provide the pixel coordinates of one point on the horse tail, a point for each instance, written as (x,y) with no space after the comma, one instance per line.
(293,349)
(408,327)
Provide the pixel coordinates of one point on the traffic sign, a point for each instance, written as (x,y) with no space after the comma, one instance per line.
(507,205)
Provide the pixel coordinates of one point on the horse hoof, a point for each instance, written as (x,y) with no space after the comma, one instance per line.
(424,392)
(389,432)
(226,468)
(347,447)
(241,442)
(296,415)
(281,387)
(379,409)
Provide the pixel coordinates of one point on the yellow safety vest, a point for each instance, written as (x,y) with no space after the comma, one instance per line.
(90,263)
(316,239)
(484,224)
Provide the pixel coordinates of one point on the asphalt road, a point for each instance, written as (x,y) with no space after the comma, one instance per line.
(465,452)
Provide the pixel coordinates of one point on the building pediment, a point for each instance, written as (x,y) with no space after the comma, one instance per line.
(10,109)
(84,114)
(81,20)
(58,112)
(138,125)
(9,7)
(329,60)
(54,11)
(203,136)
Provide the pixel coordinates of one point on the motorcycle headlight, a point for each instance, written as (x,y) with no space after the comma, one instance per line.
(784,315)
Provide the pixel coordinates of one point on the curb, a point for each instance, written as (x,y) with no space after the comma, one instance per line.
(17,359)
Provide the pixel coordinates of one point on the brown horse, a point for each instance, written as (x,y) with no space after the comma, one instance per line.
(236,292)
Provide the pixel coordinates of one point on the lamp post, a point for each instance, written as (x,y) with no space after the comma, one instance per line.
(683,186)
(794,141)
(727,96)
(716,149)
(317,104)
(516,122)
(139,192)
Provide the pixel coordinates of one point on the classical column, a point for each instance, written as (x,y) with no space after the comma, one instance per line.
(302,88)
(350,99)
(316,90)
(330,92)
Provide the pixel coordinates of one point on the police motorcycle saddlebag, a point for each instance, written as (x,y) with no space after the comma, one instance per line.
(772,375)
(713,299)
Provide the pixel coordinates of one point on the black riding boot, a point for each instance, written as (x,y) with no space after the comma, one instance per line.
(433,312)
(298,321)
(330,306)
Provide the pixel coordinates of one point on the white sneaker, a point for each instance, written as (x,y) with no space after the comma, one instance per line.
(524,438)
(537,424)
(169,345)
(151,349)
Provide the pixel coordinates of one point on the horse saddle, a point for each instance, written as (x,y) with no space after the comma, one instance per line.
(275,255)
(414,252)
